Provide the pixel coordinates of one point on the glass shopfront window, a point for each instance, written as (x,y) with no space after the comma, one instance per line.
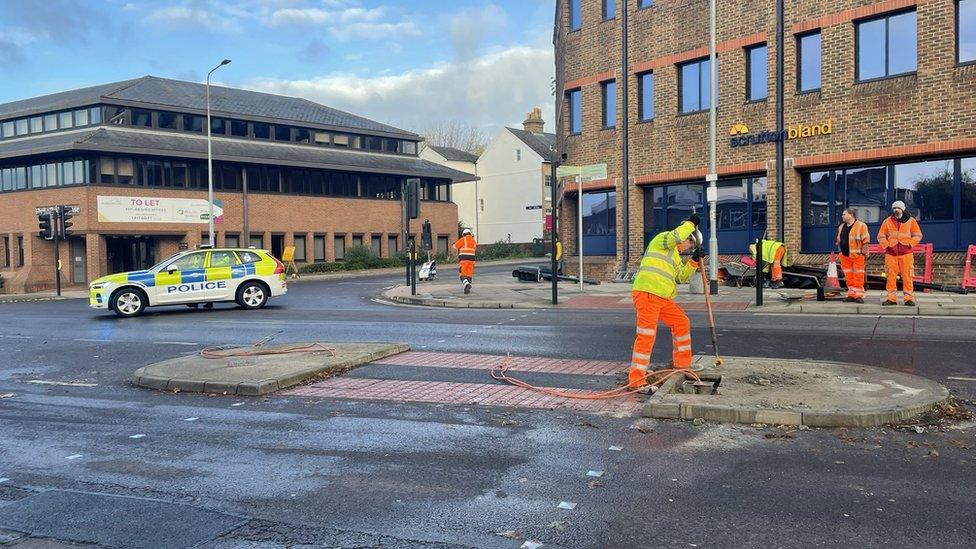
(600,223)
(941,194)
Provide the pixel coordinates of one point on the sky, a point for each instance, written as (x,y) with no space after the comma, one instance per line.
(410,64)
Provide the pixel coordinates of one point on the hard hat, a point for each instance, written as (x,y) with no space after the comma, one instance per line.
(699,239)
(466,231)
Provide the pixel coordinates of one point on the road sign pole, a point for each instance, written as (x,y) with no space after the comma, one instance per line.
(579,226)
(57,259)
(554,235)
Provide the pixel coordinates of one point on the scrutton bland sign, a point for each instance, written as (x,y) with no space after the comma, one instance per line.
(742,137)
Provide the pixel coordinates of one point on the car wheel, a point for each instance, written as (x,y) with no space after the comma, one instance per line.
(128,302)
(252,295)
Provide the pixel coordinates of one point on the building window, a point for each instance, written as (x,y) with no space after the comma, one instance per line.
(442,245)
(37,124)
(81,117)
(22,127)
(808,62)
(261,130)
(95,115)
(886,46)
(575,111)
(357,241)
(238,128)
(695,86)
(6,251)
(218,126)
(50,122)
(318,248)
(20,251)
(376,245)
(374,143)
(299,247)
(518,155)
(323,138)
(929,190)
(256,241)
(339,242)
(391,245)
(282,133)
(167,120)
(575,15)
(192,123)
(966,31)
(645,96)
(232,241)
(140,117)
(7,129)
(609,9)
(644,3)
(600,223)
(302,136)
(756,88)
(609,92)
(409,147)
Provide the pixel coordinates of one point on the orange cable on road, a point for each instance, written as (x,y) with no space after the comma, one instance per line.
(658,377)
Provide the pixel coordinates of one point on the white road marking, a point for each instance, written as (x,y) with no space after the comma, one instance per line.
(615,448)
(958,378)
(61,383)
(568,505)
(238,404)
(17,337)
(191,419)
(3,479)
(441,340)
(188,343)
(140,435)
(74,456)
(91,340)
(596,474)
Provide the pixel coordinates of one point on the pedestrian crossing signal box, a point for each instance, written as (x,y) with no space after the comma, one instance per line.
(413,198)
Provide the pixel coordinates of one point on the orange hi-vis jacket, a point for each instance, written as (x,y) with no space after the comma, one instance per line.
(897,237)
(466,247)
(859,238)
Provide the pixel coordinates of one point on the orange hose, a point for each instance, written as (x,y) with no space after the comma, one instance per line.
(658,377)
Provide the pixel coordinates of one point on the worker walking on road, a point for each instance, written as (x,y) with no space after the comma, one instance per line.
(853,240)
(774,255)
(654,289)
(898,236)
(466,247)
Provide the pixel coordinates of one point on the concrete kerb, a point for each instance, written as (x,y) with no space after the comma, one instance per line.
(258,375)
(810,393)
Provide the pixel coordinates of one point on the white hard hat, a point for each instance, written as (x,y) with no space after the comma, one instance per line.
(699,239)
(466,231)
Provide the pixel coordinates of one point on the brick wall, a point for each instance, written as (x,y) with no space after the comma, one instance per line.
(268,214)
(926,114)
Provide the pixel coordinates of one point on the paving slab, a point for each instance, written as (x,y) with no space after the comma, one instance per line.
(261,374)
(792,392)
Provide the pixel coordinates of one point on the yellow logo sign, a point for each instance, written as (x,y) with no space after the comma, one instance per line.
(739,129)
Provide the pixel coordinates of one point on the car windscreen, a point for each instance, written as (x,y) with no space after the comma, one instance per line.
(164,262)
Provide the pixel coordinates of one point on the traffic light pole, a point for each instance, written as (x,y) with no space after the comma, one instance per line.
(57,255)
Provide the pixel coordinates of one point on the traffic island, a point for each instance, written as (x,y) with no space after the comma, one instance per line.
(259,374)
(784,392)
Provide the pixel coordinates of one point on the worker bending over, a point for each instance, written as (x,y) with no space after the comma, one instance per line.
(654,289)
(853,240)
(466,247)
(899,234)
(774,255)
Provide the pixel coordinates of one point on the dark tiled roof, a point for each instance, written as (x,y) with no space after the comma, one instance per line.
(544,144)
(454,155)
(181,95)
(234,150)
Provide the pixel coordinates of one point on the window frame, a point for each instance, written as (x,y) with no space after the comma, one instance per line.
(644,4)
(571,119)
(748,54)
(958,28)
(886,17)
(604,102)
(569,15)
(640,97)
(799,62)
(603,9)
(699,61)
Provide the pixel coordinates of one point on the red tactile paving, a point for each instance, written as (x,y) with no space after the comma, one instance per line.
(518,363)
(487,394)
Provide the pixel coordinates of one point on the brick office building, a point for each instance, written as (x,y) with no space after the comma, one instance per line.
(880,104)
(131,156)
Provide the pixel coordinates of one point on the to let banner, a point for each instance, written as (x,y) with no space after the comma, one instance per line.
(143,209)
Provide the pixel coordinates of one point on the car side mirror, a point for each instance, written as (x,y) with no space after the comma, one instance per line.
(171,270)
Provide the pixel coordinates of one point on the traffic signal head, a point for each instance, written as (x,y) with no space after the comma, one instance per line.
(65,224)
(45,222)
(413,198)
(426,236)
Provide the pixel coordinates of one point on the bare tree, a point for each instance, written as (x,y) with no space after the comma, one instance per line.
(456,134)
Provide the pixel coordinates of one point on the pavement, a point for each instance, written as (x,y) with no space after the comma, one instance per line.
(358,465)
(502,291)
(814,394)
(259,369)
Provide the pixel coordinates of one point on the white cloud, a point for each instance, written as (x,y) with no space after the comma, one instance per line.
(184,16)
(490,91)
(469,28)
(345,23)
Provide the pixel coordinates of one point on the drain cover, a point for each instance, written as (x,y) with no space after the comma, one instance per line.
(114,520)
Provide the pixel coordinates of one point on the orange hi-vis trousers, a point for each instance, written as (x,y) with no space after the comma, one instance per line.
(853,267)
(651,308)
(777,268)
(903,265)
(466,270)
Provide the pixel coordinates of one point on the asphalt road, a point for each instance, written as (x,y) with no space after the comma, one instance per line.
(289,471)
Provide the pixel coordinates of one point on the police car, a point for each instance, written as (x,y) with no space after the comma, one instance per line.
(246,276)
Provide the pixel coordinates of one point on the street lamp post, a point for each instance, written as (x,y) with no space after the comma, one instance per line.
(210,193)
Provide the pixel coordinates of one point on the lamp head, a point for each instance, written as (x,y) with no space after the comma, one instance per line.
(225,61)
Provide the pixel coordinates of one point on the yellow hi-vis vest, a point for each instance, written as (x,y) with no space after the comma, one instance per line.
(661,269)
(769,248)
